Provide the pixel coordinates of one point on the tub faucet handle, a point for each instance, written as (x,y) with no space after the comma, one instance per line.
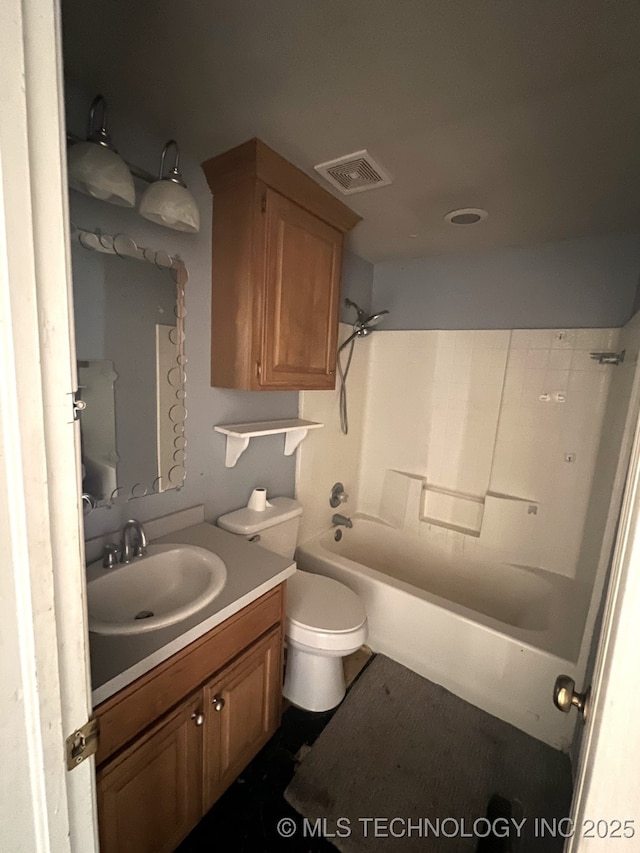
(338,495)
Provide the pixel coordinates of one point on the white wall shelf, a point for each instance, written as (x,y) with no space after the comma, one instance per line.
(239,435)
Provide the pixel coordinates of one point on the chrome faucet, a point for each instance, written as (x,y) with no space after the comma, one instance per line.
(341,520)
(129,552)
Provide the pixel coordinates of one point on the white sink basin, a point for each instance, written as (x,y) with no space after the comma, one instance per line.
(166,586)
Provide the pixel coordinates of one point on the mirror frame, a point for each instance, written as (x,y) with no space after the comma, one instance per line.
(125,247)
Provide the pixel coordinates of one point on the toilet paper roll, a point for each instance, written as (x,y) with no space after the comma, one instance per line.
(258,500)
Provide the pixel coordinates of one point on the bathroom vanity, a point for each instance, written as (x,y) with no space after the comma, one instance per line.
(183,710)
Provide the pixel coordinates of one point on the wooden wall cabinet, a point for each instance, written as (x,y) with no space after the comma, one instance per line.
(276,267)
(153,790)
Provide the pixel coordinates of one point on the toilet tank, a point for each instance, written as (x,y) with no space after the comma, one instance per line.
(275,528)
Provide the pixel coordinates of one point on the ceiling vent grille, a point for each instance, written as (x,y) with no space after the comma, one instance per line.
(354,173)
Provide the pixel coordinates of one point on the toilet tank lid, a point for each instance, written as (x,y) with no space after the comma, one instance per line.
(247,521)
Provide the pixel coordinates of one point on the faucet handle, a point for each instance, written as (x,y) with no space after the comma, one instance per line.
(110,555)
(338,495)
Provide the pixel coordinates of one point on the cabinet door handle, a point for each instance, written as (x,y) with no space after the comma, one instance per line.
(218,703)
(198,718)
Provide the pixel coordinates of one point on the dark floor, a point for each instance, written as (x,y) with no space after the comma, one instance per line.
(246,816)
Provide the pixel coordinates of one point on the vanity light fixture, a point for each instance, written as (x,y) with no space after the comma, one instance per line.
(167,201)
(96,168)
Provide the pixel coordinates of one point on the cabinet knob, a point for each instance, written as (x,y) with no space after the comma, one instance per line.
(218,703)
(198,719)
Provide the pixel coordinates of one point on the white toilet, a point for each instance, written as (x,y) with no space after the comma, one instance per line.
(325,620)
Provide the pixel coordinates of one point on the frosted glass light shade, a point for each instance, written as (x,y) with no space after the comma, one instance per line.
(171,205)
(101,173)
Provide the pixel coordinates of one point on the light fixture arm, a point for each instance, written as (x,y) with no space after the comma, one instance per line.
(99,135)
(174,175)
(96,169)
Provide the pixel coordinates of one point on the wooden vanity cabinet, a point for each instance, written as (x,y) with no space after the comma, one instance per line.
(150,797)
(160,770)
(276,267)
(244,711)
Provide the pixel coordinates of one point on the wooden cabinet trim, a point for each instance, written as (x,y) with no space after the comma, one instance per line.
(129,712)
(256,160)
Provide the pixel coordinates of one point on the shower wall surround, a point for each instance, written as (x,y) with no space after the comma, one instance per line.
(481,441)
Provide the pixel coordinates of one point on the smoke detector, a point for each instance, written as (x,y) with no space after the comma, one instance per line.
(354,173)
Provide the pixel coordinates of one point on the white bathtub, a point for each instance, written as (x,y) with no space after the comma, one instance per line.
(496,635)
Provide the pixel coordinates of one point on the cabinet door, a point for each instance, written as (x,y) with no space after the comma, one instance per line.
(150,797)
(302,284)
(243,708)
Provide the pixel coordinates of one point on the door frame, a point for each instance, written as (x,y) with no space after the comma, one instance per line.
(45,684)
(608,762)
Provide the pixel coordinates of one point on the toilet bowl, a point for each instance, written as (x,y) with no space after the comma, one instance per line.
(325,620)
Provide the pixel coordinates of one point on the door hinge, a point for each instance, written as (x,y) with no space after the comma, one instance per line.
(78,404)
(82,743)
(264,203)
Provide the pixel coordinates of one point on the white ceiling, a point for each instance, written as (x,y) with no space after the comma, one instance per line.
(528,108)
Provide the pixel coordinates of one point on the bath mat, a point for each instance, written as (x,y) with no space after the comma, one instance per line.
(426,764)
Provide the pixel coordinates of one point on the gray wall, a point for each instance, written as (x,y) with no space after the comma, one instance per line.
(208,481)
(589,282)
(357,284)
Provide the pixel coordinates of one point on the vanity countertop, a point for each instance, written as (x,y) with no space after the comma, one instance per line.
(117,660)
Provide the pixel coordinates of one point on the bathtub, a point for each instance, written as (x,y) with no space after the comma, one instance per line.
(497,635)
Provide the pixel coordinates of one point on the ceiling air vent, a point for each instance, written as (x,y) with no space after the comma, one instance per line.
(354,173)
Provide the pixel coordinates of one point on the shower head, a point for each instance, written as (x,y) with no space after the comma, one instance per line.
(363,325)
(374,320)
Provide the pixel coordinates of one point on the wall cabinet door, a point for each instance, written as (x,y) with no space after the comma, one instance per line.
(302,285)
(277,253)
(242,708)
(150,797)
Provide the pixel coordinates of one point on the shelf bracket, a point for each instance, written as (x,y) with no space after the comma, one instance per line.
(292,439)
(236,446)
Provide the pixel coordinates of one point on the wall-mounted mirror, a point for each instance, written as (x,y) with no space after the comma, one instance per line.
(129,327)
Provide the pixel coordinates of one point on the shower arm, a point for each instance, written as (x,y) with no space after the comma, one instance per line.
(349,303)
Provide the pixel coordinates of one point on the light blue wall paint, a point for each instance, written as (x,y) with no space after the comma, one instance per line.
(590,282)
(208,481)
(357,284)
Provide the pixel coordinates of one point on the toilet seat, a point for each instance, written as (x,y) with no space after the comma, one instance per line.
(323,614)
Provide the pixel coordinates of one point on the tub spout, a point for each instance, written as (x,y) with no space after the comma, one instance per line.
(341,520)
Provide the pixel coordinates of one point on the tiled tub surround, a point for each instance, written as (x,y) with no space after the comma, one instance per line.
(484,423)
(487,459)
